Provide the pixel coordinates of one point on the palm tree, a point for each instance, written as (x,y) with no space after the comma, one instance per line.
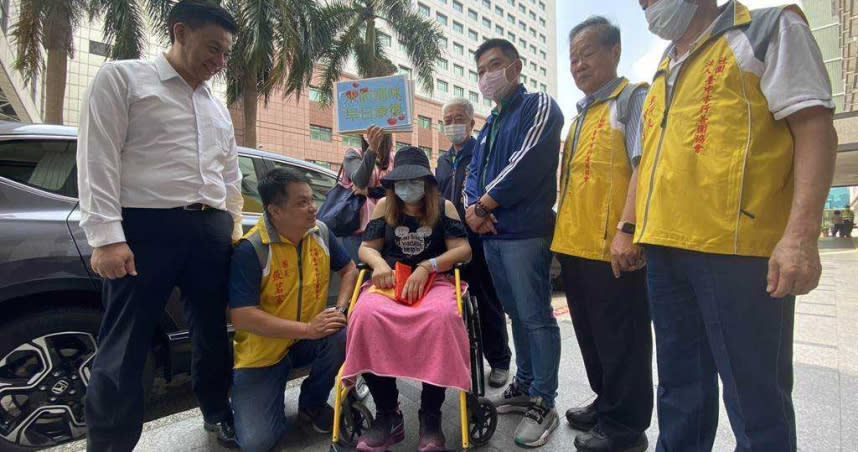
(277,45)
(125,24)
(357,35)
(49,24)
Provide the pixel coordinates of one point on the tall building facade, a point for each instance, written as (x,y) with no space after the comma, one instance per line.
(305,129)
(823,16)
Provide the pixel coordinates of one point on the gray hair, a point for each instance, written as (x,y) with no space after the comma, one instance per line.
(459,101)
(609,34)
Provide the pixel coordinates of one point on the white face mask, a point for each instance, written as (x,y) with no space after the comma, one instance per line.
(494,84)
(409,191)
(456,133)
(669,19)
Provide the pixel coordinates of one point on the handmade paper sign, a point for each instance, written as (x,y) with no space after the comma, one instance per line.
(385,102)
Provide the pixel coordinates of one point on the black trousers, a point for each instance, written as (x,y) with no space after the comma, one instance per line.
(494,337)
(386,395)
(172,247)
(612,324)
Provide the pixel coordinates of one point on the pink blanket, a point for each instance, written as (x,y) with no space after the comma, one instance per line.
(425,342)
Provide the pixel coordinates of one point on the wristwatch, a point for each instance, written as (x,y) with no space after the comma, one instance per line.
(626,227)
(342,309)
(480,210)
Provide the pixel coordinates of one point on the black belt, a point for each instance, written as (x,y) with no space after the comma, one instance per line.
(198,207)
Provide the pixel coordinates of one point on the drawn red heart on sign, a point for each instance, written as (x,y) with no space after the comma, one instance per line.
(363,90)
(392,121)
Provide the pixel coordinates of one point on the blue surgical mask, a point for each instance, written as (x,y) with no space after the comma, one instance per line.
(409,191)
(669,19)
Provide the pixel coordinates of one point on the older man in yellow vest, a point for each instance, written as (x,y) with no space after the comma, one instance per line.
(601,267)
(737,125)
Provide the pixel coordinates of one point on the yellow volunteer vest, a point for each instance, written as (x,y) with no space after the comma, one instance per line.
(594,183)
(716,174)
(294,286)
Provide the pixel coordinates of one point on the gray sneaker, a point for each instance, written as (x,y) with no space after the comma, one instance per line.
(538,424)
(513,400)
(498,377)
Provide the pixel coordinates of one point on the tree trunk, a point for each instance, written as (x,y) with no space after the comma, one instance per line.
(249,101)
(55,85)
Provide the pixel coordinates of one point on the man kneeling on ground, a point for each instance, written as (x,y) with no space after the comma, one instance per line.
(277,296)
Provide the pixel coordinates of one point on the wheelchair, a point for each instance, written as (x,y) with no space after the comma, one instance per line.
(477,415)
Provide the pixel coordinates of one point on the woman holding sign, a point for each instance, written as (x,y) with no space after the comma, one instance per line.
(404,323)
(362,172)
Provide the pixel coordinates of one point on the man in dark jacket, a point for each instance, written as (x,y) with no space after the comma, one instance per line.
(451,171)
(510,190)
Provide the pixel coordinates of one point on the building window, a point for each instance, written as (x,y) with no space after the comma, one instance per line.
(533,49)
(442,86)
(542,6)
(532,16)
(458,91)
(523,79)
(533,66)
(442,19)
(458,28)
(523,44)
(522,9)
(472,53)
(510,18)
(405,70)
(522,25)
(351,141)
(499,30)
(457,6)
(473,35)
(402,144)
(542,38)
(542,22)
(458,49)
(473,76)
(472,15)
(320,133)
(487,102)
(511,2)
(99,48)
(473,97)
(428,151)
(511,36)
(533,83)
(487,23)
(424,122)
(542,55)
(442,64)
(532,32)
(543,72)
(499,11)
(487,4)
(458,71)
(542,87)
(385,39)
(423,9)
(315,94)
(442,42)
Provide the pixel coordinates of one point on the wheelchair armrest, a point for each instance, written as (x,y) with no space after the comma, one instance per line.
(363,266)
(460,265)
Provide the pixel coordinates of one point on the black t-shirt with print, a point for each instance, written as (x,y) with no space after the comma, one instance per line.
(411,243)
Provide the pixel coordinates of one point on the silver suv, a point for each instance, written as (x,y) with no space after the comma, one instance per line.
(50,301)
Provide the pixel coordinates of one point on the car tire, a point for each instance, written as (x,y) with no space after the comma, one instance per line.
(43,405)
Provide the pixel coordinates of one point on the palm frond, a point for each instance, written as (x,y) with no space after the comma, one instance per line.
(124,27)
(159,11)
(28,32)
(335,58)
(420,37)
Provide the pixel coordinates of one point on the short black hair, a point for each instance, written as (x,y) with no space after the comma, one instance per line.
(506,47)
(198,13)
(274,185)
(609,34)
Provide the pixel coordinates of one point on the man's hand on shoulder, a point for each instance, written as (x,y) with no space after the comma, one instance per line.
(113,261)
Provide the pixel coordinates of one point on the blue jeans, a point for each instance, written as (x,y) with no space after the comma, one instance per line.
(712,318)
(258,393)
(520,272)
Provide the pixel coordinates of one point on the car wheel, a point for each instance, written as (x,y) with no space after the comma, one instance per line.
(45,362)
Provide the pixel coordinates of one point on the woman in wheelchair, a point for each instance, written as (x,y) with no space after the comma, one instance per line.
(418,335)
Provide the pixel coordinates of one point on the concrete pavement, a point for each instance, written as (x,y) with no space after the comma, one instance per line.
(826,383)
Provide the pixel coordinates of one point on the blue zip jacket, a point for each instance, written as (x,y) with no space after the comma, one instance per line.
(450,174)
(521,168)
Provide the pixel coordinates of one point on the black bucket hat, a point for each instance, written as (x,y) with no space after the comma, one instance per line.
(409,163)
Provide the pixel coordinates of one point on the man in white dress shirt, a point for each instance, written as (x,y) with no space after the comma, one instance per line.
(161,205)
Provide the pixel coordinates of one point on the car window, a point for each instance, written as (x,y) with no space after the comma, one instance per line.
(320,182)
(48,165)
(249,185)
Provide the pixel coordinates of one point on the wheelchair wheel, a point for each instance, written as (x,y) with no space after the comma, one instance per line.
(355,419)
(482,420)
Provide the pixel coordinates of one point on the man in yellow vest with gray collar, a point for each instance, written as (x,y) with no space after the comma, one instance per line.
(601,267)
(738,155)
(278,291)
